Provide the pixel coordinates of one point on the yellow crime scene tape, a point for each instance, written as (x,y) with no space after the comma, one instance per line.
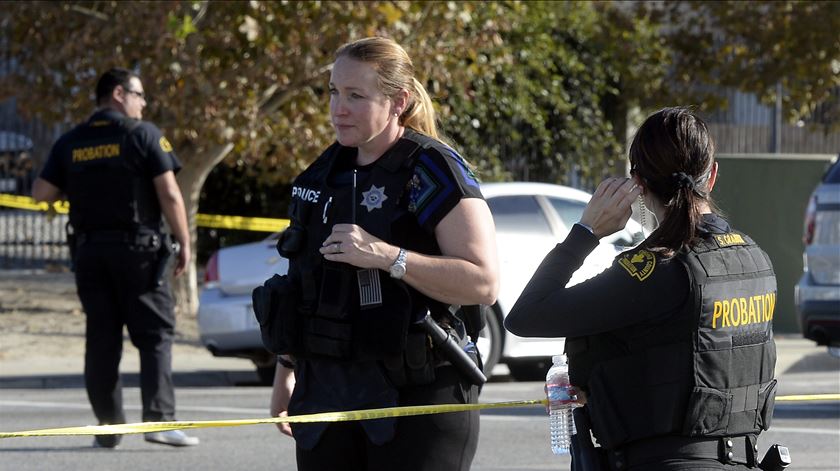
(808,397)
(272,225)
(25,202)
(367,414)
(216,221)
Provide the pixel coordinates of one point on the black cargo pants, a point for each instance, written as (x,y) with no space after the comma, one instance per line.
(116,288)
(435,442)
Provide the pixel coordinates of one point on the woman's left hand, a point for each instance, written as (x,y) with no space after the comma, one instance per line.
(609,209)
(349,243)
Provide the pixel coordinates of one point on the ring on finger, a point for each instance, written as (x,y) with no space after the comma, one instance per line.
(338,247)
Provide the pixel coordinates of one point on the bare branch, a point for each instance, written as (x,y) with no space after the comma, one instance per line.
(89,12)
(201,13)
(274,98)
(420,26)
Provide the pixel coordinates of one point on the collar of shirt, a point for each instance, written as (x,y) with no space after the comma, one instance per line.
(714,224)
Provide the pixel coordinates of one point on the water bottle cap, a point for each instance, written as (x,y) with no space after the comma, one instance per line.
(559,359)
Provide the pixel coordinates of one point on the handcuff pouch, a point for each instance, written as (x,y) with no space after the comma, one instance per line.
(275,306)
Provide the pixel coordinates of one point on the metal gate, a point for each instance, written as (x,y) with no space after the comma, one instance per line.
(29,237)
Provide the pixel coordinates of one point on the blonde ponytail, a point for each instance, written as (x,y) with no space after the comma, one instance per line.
(396,72)
(420,114)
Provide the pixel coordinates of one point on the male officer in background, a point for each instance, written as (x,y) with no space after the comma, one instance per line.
(118,173)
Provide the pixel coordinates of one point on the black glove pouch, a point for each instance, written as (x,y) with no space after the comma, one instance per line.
(275,306)
(415,366)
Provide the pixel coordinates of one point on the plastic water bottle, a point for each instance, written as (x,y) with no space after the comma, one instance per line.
(560,402)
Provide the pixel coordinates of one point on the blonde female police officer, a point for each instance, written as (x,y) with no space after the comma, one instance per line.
(672,345)
(387,225)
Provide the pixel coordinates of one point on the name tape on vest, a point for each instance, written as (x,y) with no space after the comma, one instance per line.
(730,239)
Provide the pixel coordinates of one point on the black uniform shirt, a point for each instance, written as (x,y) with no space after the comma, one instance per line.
(438,184)
(638,288)
(145,153)
(152,154)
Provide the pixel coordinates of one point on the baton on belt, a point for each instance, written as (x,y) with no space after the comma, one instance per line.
(452,351)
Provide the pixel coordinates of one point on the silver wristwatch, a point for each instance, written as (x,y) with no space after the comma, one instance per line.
(397,269)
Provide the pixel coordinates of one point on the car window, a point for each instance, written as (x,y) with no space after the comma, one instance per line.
(518,214)
(833,174)
(569,211)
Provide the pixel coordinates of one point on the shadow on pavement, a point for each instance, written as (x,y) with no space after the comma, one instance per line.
(516,411)
(819,410)
(72,450)
(193,379)
(815,362)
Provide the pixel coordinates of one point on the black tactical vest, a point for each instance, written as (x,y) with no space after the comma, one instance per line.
(105,188)
(343,311)
(708,372)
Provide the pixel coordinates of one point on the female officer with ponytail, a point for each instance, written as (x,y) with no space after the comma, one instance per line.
(672,346)
(387,225)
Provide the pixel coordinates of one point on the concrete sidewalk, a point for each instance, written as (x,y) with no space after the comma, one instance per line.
(193,366)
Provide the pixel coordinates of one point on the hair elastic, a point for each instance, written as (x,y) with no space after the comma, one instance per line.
(683,180)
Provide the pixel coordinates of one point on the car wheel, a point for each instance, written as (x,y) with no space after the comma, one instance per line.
(266,374)
(490,341)
(533,369)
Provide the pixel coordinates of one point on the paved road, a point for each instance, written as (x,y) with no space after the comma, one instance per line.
(511,439)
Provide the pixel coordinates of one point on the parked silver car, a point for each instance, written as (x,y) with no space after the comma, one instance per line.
(817,295)
(530,218)
(226,320)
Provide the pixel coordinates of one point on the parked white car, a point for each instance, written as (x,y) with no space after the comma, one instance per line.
(817,295)
(531,218)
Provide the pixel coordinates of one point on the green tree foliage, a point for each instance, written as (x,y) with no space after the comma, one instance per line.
(553,101)
(247,77)
(752,46)
(527,90)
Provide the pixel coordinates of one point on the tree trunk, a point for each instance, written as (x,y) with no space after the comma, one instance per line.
(196,166)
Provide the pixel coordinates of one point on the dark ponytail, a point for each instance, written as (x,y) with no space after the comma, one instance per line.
(672,153)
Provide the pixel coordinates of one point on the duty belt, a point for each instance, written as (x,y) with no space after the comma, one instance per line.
(728,450)
(146,239)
